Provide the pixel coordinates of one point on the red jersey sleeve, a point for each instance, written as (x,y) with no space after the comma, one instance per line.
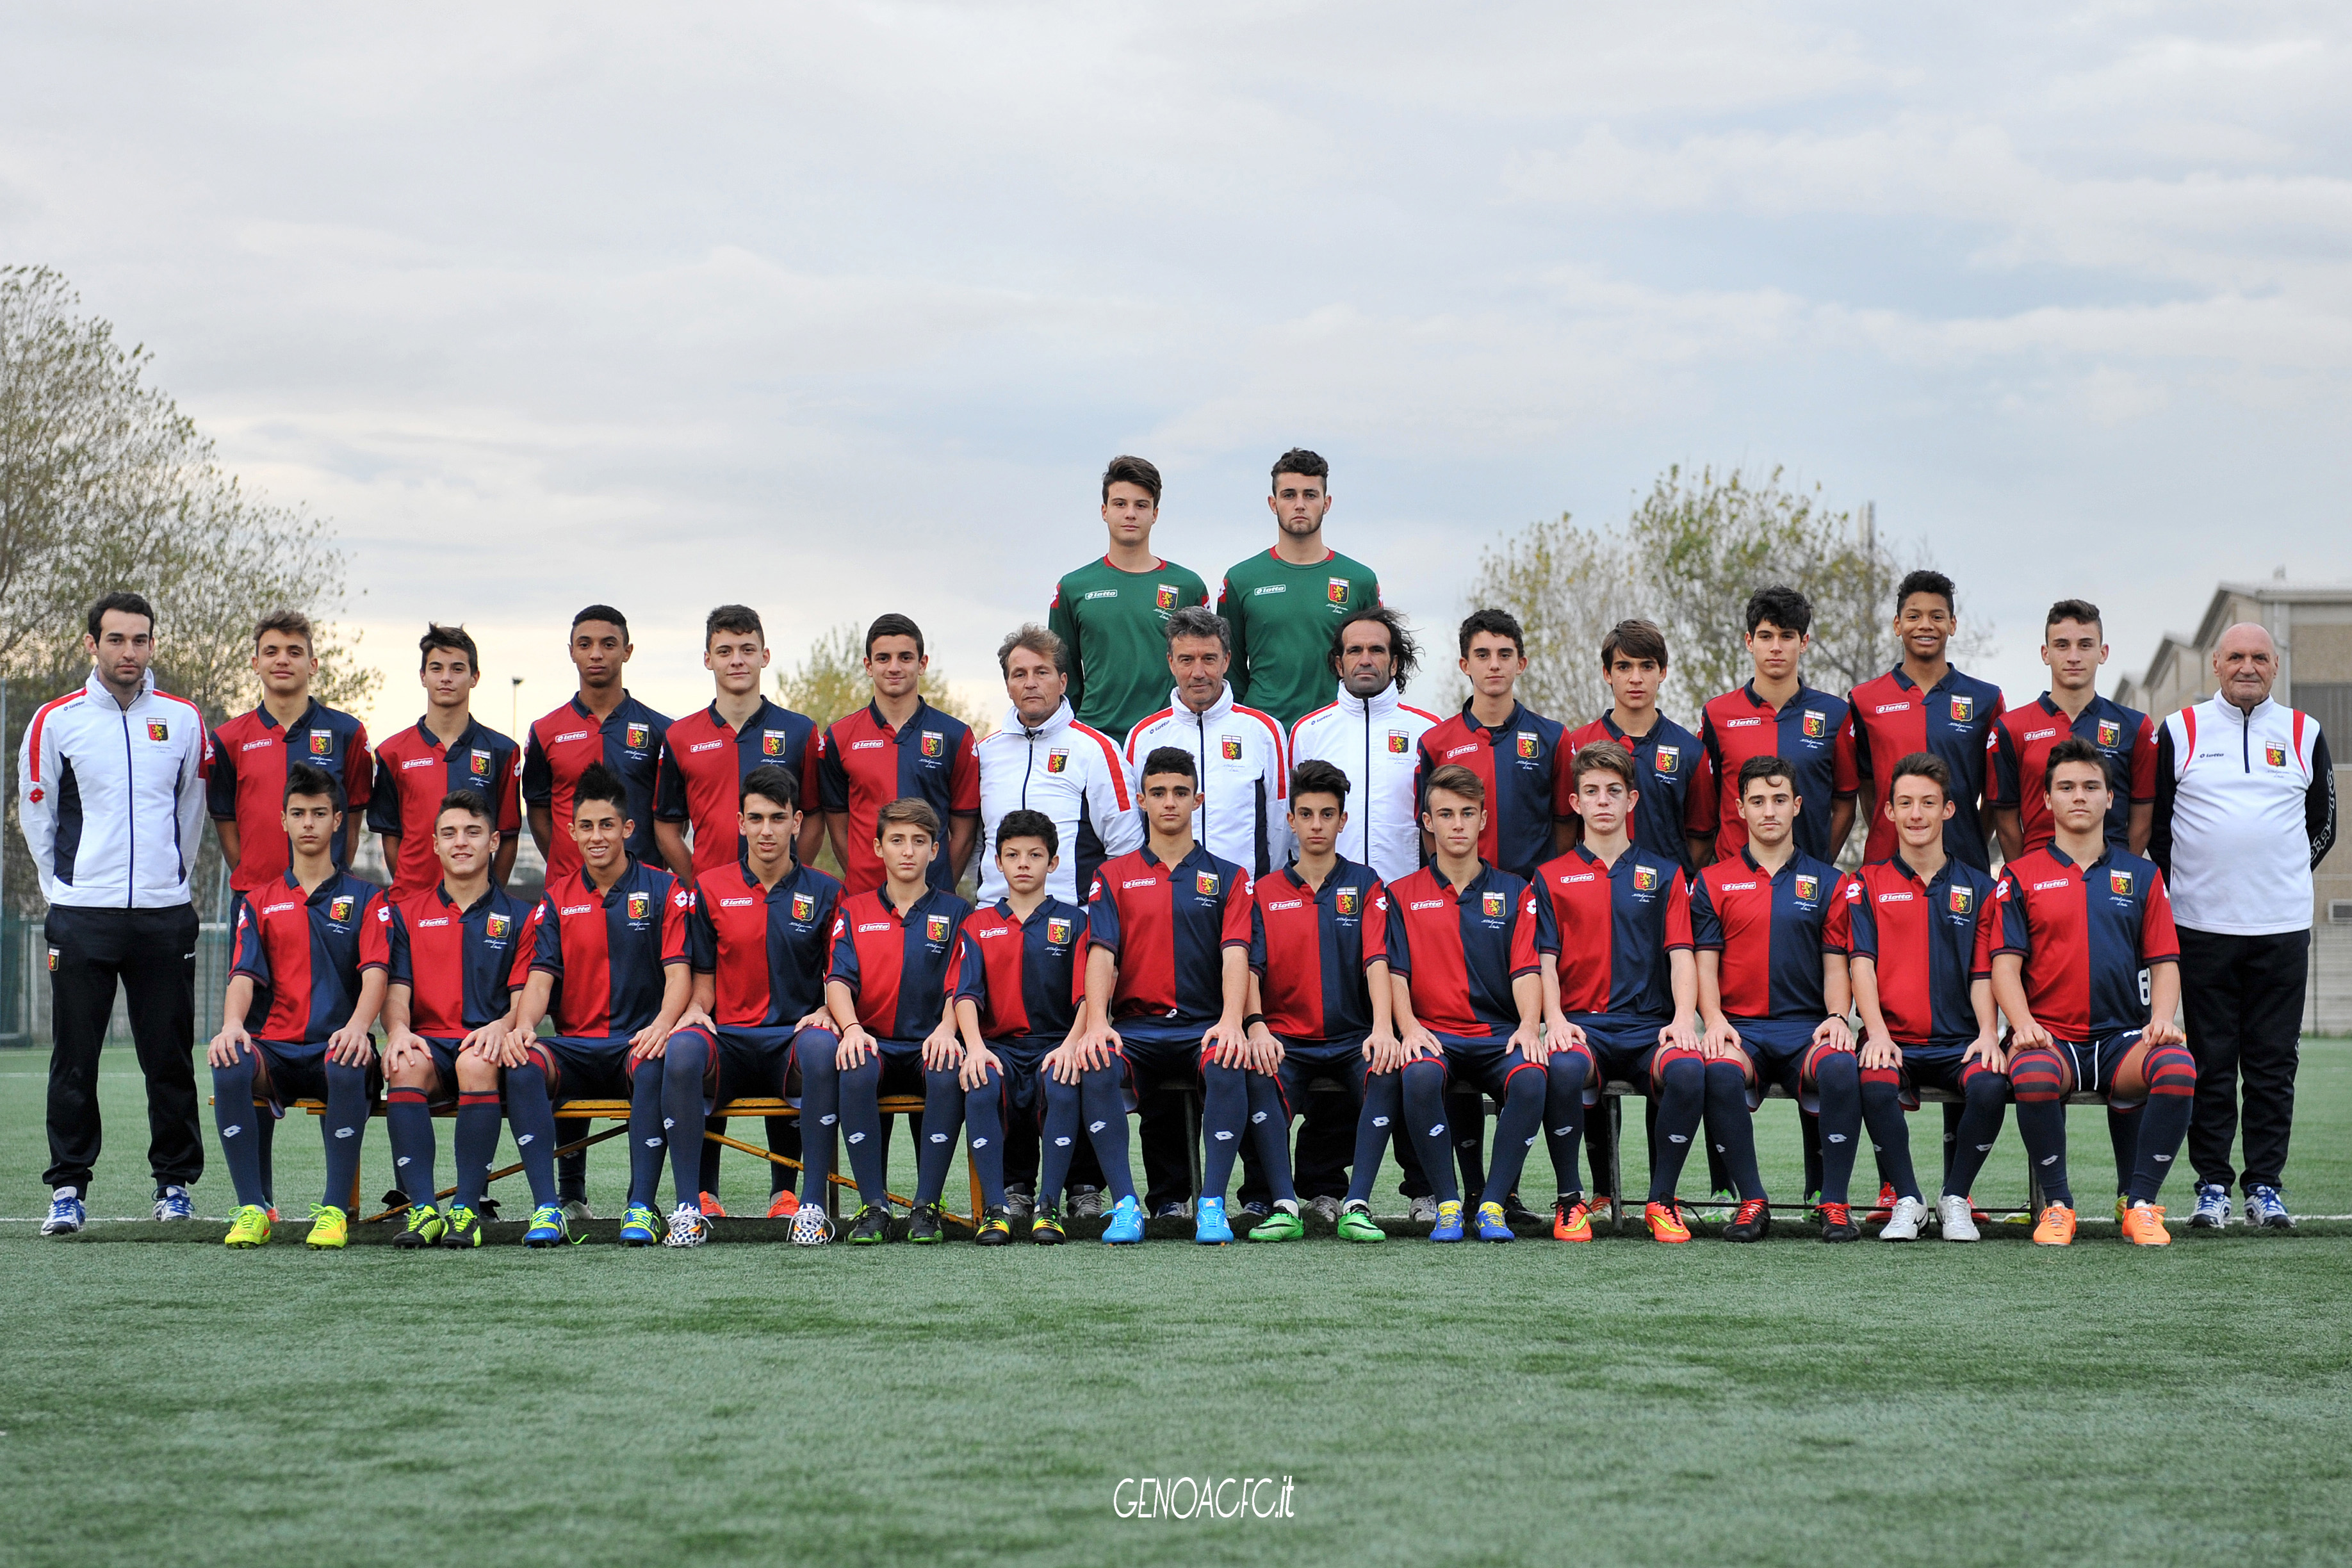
(1523,937)
(1839,925)
(963,780)
(358,769)
(1376,923)
(1848,771)
(2007,931)
(252,952)
(510,796)
(1240,913)
(1702,808)
(377,939)
(967,977)
(676,945)
(2158,942)
(1678,917)
(1981,947)
(2143,763)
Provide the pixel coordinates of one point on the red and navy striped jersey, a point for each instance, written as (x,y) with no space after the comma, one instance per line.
(704,763)
(246,783)
(1664,762)
(1027,977)
(1953,719)
(1525,770)
(608,951)
(2020,763)
(413,773)
(896,964)
(765,948)
(1810,734)
(1611,927)
(2087,933)
(1769,933)
(563,742)
(1921,939)
(1462,951)
(458,964)
(304,953)
(1310,948)
(863,764)
(1169,926)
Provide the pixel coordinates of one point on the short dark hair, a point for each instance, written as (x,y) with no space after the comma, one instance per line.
(124,600)
(2081,610)
(286,623)
(1926,580)
(770,781)
(737,618)
(1783,606)
(1455,779)
(1603,757)
(1170,759)
(1636,639)
(1756,768)
(1126,470)
(1316,776)
(1922,766)
(1199,621)
(302,779)
(912,810)
(448,639)
(1495,623)
(472,802)
(609,615)
(1300,461)
(1026,824)
(2074,749)
(597,782)
(891,624)
(1405,654)
(1036,639)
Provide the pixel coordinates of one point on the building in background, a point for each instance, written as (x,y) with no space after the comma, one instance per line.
(2312,628)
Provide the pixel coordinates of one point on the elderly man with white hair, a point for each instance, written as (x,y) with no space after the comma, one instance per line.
(2245,808)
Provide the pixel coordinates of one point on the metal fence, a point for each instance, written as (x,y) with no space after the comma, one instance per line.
(25,984)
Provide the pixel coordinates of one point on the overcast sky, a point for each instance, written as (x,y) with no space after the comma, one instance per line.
(841,308)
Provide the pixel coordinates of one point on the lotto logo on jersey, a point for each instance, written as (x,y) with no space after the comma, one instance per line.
(640,904)
(2274,755)
(1491,905)
(1808,887)
(1962,901)
(1058,762)
(1164,596)
(803,907)
(159,731)
(935,927)
(1399,743)
(1349,900)
(479,764)
(1669,759)
(1527,744)
(1645,879)
(934,743)
(1337,591)
(771,743)
(1205,883)
(498,925)
(1058,931)
(1230,748)
(1817,724)
(2120,883)
(640,736)
(1963,710)
(339,909)
(322,742)
(2110,732)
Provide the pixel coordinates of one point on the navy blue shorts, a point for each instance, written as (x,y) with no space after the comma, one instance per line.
(2094,1062)
(1781,1052)
(586,1067)
(1021,1070)
(1157,1051)
(444,1070)
(1308,1062)
(744,1061)
(1934,1066)
(1621,1047)
(1485,1065)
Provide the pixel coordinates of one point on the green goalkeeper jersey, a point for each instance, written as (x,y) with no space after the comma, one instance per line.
(1282,619)
(1113,623)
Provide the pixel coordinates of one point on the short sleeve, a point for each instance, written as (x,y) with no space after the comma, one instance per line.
(2009,931)
(1102,917)
(2160,942)
(537,773)
(546,942)
(1707,927)
(1376,923)
(676,919)
(252,952)
(669,787)
(1678,914)
(220,783)
(384,800)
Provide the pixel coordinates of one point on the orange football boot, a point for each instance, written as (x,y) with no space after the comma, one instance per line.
(710,1209)
(2144,1225)
(783,1206)
(1666,1224)
(1571,1221)
(2057,1227)
(1885,1209)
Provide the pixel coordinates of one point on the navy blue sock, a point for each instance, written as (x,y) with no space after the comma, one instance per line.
(685,1059)
(983,1115)
(1269,1123)
(1981,1112)
(1837,1082)
(1564,1076)
(532,1117)
(942,1120)
(476,1144)
(1103,1099)
(572,1177)
(344,1127)
(783,1138)
(1731,1127)
(1953,1116)
(1057,1143)
(1517,1127)
(408,1123)
(1225,1117)
(1424,1116)
(861,1126)
(1882,1113)
(820,1113)
(268,1140)
(2123,1134)
(1681,1100)
(234,1114)
(1383,1103)
(649,1139)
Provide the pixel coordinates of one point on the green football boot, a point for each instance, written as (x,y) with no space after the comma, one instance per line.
(1282,1224)
(465,1227)
(249,1227)
(330,1226)
(424,1229)
(1356,1223)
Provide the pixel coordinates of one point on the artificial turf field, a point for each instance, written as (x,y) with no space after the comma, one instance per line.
(1612,1403)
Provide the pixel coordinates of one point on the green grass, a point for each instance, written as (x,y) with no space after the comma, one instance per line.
(1616,1403)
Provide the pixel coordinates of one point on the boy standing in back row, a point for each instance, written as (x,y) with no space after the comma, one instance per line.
(1109,613)
(446,751)
(1283,605)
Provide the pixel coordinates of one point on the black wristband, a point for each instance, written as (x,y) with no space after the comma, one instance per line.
(1252,1022)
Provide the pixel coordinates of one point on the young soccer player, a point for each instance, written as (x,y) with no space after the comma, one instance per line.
(1168,987)
(609,965)
(446,752)
(255,753)
(761,938)
(1467,989)
(1922,704)
(298,983)
(1110,614)
(1776,714)
(1284,604)
(1020,987)
(1515,751)
(2079,922)
(1620,988)
(450,955)
(1773,999)
(897,747)
(1237,750)
(887,994)
(2074,645)
(1909,925)
(1665,755)
(1320,988)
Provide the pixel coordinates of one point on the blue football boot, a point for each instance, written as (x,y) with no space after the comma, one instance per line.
(1126,1222)
(1210,1228)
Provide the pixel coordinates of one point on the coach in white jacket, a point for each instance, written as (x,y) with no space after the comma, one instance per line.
(112,797)
(1238,750)
(2245,809)
(1373,736)
(1042,759)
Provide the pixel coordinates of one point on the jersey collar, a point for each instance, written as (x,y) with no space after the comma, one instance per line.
(1511,723)
(1756,697)
(262,713)
(874,712)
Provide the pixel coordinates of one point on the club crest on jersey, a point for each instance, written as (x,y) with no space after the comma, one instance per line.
(2274,755)
(1669,759)
(1645,879)
(803,907)
(1527,744)
(1164,596)
(1337,591)
(1057,761)
(2120,883)
(322,742)
(1808,887)
(1205,883)
(1817,724)
(1962,899)
(478,764)
(1399,743)
(771,743)
(1491,905)
(1230,747)
(1349,900)
(2110,732)
(1058,931)
(498,925)
(339,909)
(639,737)
(159,731)
(639,904)
(935,927)
(1963,710)
(935,744)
